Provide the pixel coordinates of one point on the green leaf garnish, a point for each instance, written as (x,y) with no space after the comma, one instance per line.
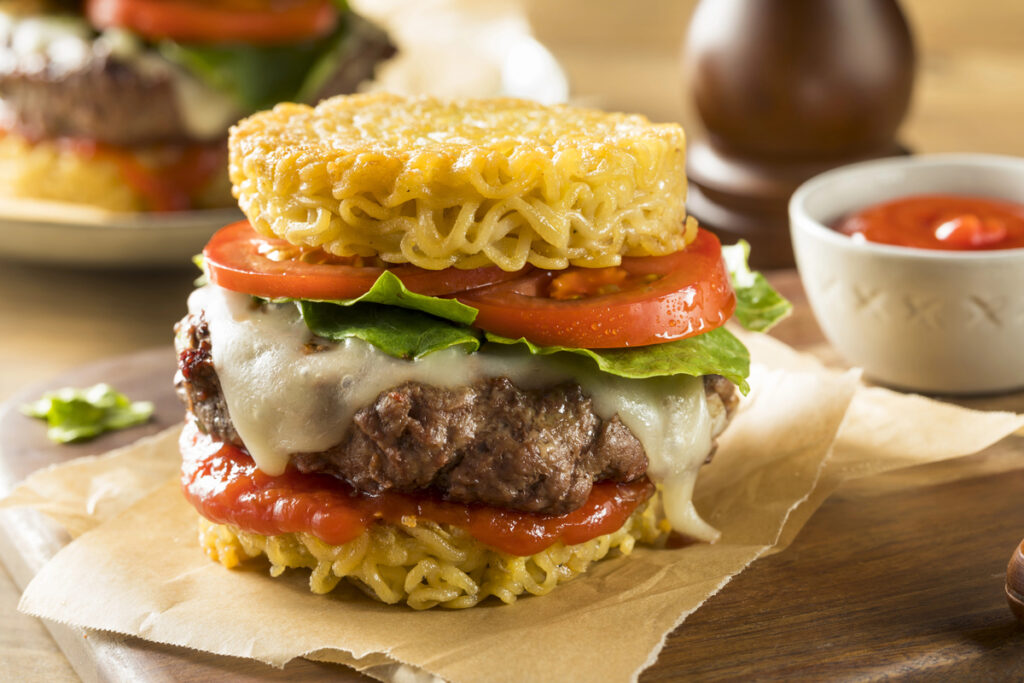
(79,414)
(758,306)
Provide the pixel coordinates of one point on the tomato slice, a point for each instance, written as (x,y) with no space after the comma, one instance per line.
(238,258)
(659,299)
(217,21)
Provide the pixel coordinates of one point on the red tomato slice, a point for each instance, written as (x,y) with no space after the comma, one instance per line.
(223,21)
(660,299)
(235,259)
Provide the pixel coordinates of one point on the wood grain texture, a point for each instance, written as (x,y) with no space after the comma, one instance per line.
(903,584)
(27,539)
(622,55)
(907,582)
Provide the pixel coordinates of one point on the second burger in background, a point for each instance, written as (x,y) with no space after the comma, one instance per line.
(125,104)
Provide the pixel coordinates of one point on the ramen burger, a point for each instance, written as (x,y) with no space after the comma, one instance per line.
(458,349)
(124,105)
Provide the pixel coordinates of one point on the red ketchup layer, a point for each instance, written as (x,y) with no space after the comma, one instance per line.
(940,221)
(224,485)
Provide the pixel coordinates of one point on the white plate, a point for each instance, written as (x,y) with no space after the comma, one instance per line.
(447,48)
(72,235)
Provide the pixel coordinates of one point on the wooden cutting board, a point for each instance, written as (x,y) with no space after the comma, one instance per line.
(906,582)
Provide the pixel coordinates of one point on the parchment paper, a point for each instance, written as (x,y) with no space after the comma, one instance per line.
(801,432)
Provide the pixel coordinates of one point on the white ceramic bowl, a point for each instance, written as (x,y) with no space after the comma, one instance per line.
(921,319)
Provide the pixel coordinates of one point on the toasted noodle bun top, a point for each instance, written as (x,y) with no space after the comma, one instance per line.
(467,183)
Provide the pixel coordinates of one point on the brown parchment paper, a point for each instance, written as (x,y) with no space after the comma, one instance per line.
(85,492)
(802,431)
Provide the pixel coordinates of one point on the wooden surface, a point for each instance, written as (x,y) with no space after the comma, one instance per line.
(888,579)
(883,581)
(969,97)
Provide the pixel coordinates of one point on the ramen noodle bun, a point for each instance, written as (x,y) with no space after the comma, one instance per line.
(424,564)
(465,183)
(105,177)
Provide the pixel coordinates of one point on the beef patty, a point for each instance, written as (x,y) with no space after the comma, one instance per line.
(490,442)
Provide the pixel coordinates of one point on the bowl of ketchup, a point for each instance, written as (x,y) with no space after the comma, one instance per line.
(914,268)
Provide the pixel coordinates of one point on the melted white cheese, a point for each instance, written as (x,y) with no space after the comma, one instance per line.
(284,399)
(36,42)
(205,112)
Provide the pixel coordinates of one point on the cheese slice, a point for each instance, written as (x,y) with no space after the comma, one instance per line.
(285,398)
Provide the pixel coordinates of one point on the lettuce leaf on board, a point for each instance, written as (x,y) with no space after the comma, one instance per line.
(79,414)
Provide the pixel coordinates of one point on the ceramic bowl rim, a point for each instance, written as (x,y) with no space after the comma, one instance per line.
(801,219)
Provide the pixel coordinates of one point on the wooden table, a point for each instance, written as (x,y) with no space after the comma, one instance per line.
(623,56)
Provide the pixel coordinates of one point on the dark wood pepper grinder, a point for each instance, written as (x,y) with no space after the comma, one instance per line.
(1015,582)
(787,89)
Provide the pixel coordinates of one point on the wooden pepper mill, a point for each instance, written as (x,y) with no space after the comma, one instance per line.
(787,89)
(1015,582)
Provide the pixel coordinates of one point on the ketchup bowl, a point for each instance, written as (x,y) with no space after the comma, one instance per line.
(947,319)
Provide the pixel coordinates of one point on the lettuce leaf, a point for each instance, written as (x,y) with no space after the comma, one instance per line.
(398,322)
(758,306)
(259,76)
(717,352)
(409,325)
(79,414)
(398,332)
(389,290)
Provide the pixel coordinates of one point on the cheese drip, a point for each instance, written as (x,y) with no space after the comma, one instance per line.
(284,398)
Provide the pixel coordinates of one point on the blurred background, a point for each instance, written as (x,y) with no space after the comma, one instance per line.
(969,94)
(968,97)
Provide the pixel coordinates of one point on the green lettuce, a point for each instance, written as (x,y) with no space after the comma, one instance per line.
(717,352)
(398,322)
(758,306)
(409,325)
(259,76)
(79,414)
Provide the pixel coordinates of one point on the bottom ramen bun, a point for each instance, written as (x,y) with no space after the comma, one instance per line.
(162,177)
(459,349)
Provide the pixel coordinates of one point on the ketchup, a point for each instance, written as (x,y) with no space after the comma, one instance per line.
(224,485)
(939,221)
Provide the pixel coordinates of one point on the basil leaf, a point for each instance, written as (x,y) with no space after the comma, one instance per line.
(717,352)
(78,414)
(398,322)
(758,306)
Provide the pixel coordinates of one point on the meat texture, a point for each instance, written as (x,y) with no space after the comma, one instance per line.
(491,442)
